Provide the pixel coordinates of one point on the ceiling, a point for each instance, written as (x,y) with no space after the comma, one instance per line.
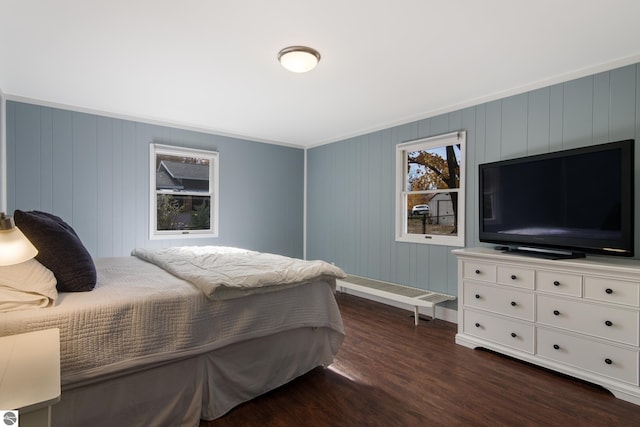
(211,64)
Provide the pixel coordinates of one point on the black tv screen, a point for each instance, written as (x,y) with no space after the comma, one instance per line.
(565,203)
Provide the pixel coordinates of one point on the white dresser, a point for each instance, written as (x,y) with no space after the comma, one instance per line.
(580,317)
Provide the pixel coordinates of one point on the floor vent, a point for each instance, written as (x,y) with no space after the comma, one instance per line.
(395,292)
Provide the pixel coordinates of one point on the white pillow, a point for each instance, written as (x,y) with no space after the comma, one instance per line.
(26,285)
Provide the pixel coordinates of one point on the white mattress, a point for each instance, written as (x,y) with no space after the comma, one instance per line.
(139,315)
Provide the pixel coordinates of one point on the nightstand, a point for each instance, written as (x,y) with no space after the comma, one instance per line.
(30,375)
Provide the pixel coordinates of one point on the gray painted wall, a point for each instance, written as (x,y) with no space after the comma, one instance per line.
(351,183)
(93,171)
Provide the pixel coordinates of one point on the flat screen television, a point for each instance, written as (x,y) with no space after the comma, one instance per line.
(562,204)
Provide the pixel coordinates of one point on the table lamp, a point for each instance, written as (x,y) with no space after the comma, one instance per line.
(14,246)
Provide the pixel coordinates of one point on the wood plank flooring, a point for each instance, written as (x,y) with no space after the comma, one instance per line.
(391,373)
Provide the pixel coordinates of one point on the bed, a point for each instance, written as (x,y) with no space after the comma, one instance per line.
(147,347)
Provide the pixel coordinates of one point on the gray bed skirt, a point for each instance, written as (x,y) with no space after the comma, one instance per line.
(205,386)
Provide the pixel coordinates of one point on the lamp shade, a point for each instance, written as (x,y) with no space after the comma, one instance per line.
(299,59)
(14,245)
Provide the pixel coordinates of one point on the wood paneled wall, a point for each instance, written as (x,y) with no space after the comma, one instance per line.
(93,171)
(351,183)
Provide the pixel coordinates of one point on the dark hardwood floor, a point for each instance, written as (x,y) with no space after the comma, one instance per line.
(391,373)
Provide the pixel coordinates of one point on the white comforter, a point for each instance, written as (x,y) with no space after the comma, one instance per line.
(226,273)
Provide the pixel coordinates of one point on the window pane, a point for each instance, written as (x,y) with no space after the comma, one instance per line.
(435,215)
(182,173)
(430,198)
(178,212)
(433,169)
(184,192)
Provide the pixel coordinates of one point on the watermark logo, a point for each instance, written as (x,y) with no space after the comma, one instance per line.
(9,418)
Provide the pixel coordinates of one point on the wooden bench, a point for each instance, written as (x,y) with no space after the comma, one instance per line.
(392,291)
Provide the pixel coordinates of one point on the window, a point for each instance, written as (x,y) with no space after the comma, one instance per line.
(184,192)
(430,190)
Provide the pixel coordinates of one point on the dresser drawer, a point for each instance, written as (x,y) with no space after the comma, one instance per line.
(559,283)
(510,333)
(500,300)
(479,271)
(603,359)
(604,321)
(516,276)
(611,290)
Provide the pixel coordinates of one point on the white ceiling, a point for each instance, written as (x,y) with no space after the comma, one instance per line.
(211,64)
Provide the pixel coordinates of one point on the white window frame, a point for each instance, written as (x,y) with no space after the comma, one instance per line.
(453,138)
(213,157)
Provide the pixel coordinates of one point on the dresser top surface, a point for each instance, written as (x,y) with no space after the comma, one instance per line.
(623,265)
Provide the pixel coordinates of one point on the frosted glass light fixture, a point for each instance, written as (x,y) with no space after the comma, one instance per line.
(14,246)
(299,59)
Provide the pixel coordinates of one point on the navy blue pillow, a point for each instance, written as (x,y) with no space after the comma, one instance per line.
(59,249)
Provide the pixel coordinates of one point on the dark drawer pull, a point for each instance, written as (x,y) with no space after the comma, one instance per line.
(556,346)
(513,304)
(513,277)
(513,334)
(477,296)
(556,283)
(609,291)
(477,325)
(477,271)
(556,312)
(608,323)
(608,361)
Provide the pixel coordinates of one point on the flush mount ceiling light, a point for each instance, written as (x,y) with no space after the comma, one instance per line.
(299,59)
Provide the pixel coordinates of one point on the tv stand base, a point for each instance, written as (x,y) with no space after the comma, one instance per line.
(545,253)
